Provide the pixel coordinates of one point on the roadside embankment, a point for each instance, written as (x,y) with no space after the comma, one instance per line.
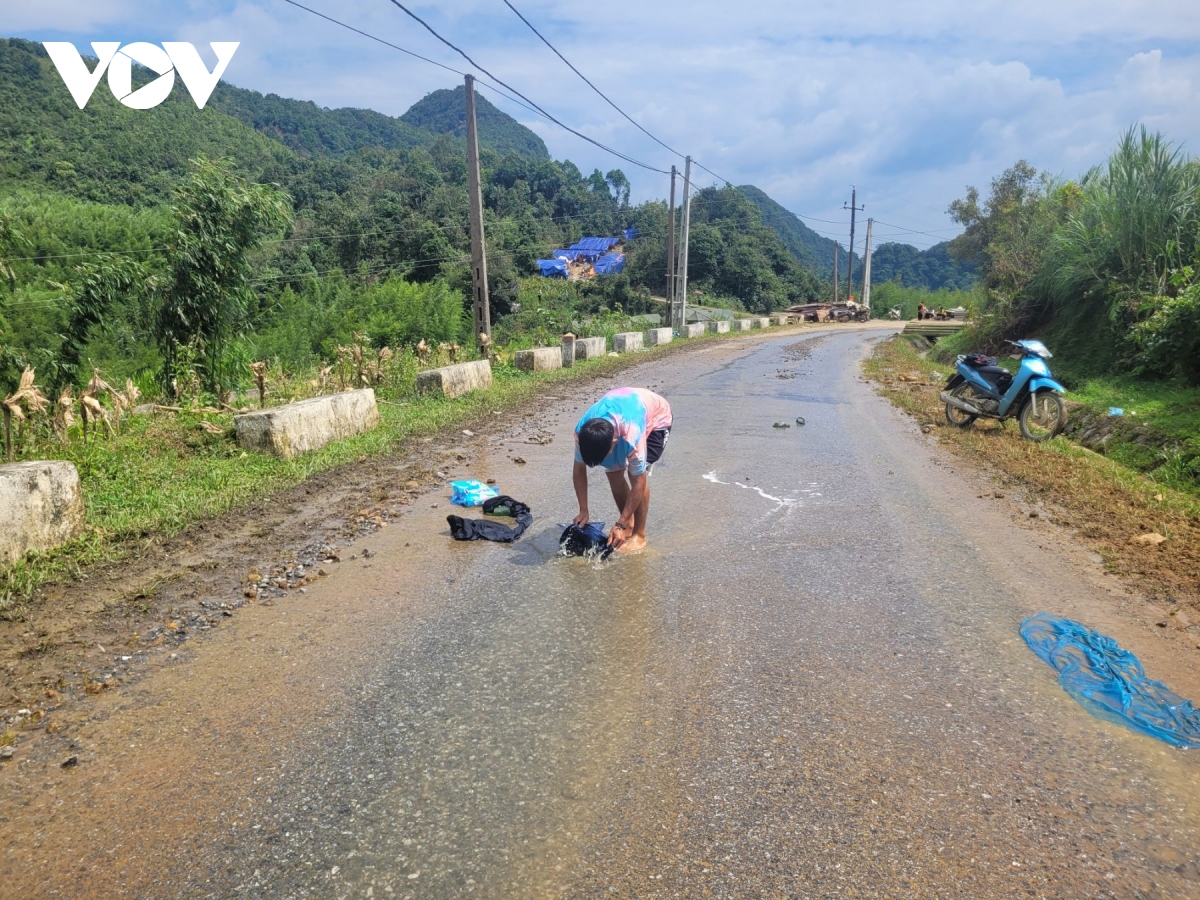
(1146,531)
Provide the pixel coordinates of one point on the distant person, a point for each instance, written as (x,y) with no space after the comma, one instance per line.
(920,311)
(625,432)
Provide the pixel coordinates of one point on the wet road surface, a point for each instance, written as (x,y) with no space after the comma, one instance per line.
(809,685)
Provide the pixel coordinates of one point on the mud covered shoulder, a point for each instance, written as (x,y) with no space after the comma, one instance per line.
(1146,534)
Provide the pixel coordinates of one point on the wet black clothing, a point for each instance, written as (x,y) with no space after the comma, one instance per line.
(585,541)
(484,530)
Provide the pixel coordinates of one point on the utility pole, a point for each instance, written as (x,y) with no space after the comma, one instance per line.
(483,310)
(671,318)
(853,209)
(681,272)
(836,248)
(866,290)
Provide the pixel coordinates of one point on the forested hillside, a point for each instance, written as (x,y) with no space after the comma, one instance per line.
(445,112)
(804,243)
(310,130)
(375,237)
(933,269)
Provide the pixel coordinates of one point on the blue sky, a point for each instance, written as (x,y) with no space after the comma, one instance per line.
(911,102)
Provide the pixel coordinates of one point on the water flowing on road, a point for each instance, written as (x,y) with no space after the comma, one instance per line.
(809,684)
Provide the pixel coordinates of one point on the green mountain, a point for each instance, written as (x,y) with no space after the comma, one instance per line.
(106,151)
(311,130)
(807,246)
(930,269)
(444,112)
(110,153)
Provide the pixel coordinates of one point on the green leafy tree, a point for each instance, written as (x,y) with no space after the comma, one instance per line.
(219,220)
(97,290)
(11,242)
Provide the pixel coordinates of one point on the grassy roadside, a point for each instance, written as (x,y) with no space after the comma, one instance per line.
(1111,507)
(1157,434)
(165,472)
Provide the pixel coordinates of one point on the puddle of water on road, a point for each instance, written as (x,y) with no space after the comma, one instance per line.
(505,715)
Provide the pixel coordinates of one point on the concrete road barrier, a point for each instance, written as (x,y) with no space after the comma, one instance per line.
(627,342)
(541,359)
(568,351)
(720,326)
(779,320)
(589,348)
(456,380)
(298,428)
(694,330)
(740,325)
(763,322)
(41,507)
(656,336)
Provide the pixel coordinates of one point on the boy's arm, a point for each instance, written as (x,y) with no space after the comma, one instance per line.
(579,479)
(622,530)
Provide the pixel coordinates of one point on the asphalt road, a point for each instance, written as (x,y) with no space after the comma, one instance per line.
(809,685)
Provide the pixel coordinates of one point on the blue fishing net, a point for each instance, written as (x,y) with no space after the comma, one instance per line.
(1109,682)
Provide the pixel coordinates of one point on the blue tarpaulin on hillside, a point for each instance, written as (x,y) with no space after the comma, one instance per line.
(567,254)
(610,264)
(1109,682)
(552,268)
(603,244)
(630,233)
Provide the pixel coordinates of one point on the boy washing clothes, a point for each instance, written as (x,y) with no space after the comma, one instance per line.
(625,432)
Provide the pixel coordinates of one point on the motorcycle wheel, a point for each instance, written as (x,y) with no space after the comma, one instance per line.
(1042,417)
(956,416)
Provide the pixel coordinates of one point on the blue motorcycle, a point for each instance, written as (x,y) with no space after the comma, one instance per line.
(981,389)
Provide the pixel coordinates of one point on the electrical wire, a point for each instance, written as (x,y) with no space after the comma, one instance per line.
(910,231)
(409,52)
(464,55)
(589,83)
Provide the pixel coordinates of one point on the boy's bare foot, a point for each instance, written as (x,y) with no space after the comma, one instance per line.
(633,544)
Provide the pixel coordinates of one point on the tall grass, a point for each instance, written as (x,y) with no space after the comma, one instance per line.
(1137,220)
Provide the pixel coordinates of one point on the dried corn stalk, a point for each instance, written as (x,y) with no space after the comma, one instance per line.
(259,370)
(27,398)
(64,415)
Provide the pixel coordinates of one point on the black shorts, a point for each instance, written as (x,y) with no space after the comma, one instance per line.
(656,443)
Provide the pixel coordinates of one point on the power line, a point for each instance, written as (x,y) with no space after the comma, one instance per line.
(464,55)
(403,50)
(912,231)
(589,83)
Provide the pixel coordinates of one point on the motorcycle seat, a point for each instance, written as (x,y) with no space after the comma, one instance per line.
(992,370)
(979,361)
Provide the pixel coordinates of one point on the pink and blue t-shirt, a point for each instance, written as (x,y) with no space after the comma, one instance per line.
(634,412)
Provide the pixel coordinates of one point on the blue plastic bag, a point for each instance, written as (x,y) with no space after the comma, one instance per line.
(471,492)
(1109,682)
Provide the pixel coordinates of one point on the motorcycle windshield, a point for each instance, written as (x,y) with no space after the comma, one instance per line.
(1037,348)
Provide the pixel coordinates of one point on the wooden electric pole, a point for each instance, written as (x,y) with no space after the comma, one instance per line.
(853,209)
(836,248)
(850,267)
(671,259)
(866,288)
(681,271)
(479,281)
